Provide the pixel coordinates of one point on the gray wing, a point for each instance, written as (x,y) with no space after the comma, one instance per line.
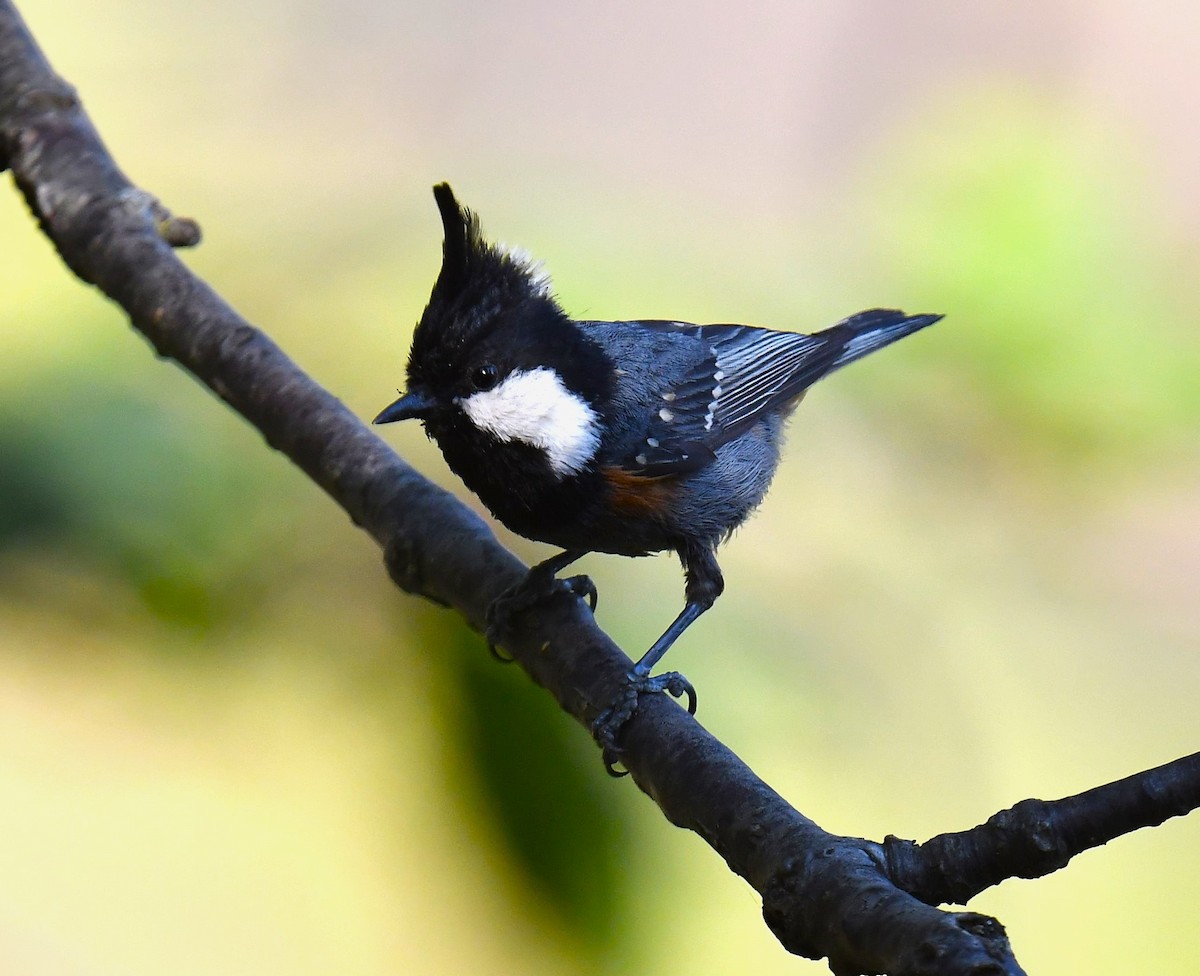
(744,373)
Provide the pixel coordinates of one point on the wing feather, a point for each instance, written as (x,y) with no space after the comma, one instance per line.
(739,373)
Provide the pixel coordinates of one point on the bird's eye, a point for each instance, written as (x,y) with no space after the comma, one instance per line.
(485,377)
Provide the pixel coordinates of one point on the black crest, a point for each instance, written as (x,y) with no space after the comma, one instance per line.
(492,308)
(478,289)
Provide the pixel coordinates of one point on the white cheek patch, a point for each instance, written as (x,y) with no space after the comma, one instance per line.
(533,406)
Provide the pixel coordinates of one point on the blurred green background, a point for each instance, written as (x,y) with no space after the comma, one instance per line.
(227,745)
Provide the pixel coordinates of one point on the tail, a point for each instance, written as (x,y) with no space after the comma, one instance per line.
(867,331)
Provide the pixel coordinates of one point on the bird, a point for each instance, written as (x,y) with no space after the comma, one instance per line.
(627,437)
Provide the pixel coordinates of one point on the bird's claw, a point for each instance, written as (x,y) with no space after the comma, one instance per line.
(585,589)
(609,722)
(494,649)
(534,589)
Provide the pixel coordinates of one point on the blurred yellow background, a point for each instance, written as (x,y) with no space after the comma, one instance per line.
(227,745)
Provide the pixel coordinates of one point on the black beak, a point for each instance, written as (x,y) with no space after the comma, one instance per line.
(412,404)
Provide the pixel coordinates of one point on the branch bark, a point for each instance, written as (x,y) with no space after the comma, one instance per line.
(865,906)
(1037,837)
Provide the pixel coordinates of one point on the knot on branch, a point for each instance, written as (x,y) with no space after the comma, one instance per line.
(175,231)
(401,557)
(57,96)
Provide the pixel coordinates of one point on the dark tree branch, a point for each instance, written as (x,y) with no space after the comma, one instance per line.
(823,895)
(1037,837)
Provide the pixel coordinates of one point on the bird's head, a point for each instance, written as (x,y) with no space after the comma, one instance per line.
(497,371)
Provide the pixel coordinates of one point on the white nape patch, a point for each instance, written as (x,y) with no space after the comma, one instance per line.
(539,277)
(533,407)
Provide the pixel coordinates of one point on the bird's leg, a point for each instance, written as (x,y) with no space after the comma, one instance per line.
(539,584)
(621,709)
(704,585)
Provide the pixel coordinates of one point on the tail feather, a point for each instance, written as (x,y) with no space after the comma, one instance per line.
(867,331)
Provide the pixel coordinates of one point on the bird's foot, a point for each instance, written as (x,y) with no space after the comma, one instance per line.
(534,589)
(609,723)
